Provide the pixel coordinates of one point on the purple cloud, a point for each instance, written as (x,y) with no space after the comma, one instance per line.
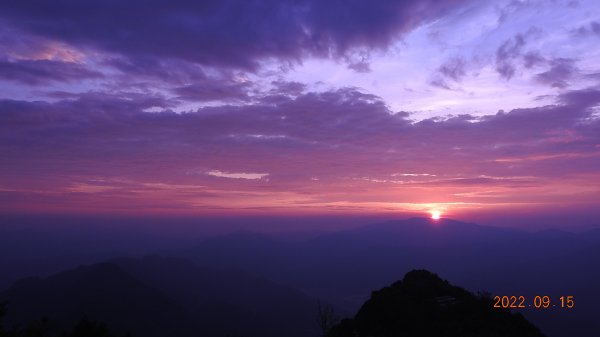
(224,33)
(454,69)
(214,90)
(360,66)
(288,88)
(39,72)
(512,49)
(561,70)
(440,83)
(508,51)
(338,136)
(153,68)
(591,29)
(532,59)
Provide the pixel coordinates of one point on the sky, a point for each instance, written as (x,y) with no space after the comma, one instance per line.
(473,109)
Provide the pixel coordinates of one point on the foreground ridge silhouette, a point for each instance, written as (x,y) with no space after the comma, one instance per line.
(422,304)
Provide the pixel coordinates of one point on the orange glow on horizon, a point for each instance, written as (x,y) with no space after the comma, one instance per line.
(435,215)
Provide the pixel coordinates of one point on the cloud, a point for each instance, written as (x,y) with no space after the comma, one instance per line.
(512,8)
(39,72)
(508,51)
(454,68)
(591,29)
(230,175)
(440,83)
(561,70)
(360,66)
(511,49)
(214,90)
(532,59)
(143,67)
(580,98)
(288,87)
(212,33)
(343,121)
(340,136)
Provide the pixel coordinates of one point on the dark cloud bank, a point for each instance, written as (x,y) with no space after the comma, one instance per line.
(229,33)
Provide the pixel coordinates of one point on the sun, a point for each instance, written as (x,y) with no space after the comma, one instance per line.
(435,215)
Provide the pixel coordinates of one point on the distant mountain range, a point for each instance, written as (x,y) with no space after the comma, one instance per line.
(171,297)
(242,268)
(345,266)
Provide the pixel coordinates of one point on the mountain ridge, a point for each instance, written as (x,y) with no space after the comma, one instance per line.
(159,296)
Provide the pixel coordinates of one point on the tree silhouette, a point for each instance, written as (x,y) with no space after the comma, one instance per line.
(89,328)
(2,313)
(326,317)
(39,328)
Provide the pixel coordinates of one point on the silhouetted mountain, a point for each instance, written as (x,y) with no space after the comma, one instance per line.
(163,297)
(103,292)
(344,266)
(424,305)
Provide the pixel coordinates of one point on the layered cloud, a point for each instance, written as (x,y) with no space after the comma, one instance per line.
(339,147)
